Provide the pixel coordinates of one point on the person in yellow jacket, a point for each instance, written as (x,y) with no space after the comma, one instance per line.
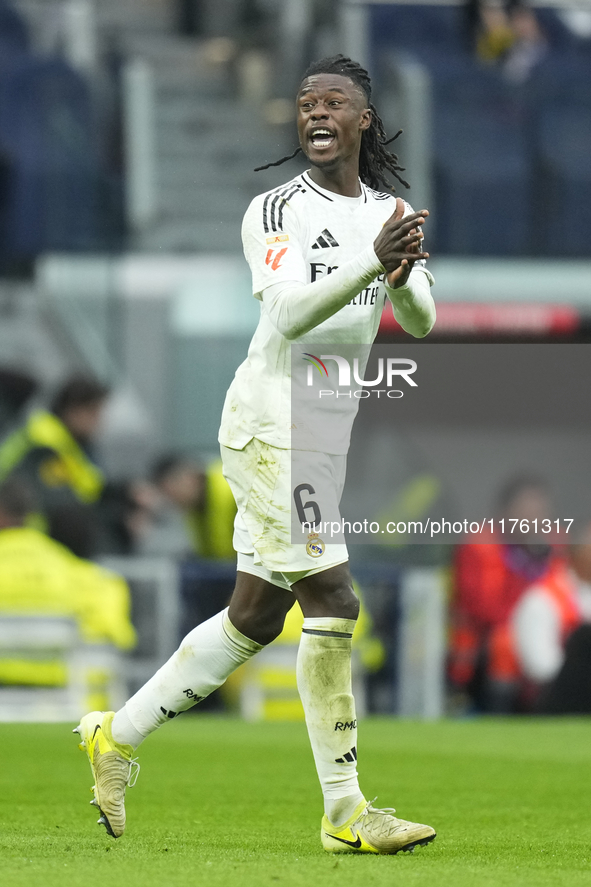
(205,501)
(39,576)
(52,453)
(196,522)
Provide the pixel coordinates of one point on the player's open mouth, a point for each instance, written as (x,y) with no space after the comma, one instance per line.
(322,138)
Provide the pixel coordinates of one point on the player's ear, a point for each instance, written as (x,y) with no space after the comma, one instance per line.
(366,117)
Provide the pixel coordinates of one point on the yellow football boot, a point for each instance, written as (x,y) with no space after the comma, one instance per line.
(370,830)
(112,768)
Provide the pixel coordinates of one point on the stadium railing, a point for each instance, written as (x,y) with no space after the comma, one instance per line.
(88,675)
(155,612)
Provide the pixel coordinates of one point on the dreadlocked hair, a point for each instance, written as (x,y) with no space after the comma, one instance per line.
(375,162)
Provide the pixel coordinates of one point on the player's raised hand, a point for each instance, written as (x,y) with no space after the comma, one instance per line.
(398,245)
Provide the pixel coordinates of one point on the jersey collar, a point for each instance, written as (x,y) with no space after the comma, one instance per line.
(335,198)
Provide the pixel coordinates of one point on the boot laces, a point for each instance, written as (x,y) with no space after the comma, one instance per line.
(134,772)
(387,811)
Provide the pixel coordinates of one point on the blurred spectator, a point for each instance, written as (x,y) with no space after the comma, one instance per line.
(159,526)
(52,451)
(580,561)
(548,636)
(195,512)
(40,576)
(490,576)
(490,28)
(507,33)
(529,45)
(127,512)
(16,388)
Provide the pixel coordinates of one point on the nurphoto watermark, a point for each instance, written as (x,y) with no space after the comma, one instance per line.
(409,444)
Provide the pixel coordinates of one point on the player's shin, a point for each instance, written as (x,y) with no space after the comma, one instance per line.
(324,684)
(207,656)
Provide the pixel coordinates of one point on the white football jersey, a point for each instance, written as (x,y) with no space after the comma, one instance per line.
(298,233)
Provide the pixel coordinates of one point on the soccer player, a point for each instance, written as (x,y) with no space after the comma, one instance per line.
(330,216)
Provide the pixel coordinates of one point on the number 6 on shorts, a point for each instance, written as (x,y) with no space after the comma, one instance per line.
(302,507)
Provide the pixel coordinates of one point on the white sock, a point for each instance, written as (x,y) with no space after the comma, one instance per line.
(324,684)
(206,657)
(123,730)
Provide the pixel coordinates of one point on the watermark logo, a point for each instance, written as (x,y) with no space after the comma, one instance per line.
(390,370)
(315,362)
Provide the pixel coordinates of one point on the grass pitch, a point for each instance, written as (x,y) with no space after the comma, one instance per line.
(220,802)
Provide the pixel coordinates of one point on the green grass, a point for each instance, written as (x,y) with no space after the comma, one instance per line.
(220,802)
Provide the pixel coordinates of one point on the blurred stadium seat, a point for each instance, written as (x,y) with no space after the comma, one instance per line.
(501,153)
(564,137)
(46,136)
(418,28)
(14,36)
(483,183)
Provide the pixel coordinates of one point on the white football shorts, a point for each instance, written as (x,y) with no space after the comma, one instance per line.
(275,491)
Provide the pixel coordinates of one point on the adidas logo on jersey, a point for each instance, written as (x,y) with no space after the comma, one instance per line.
(324,241)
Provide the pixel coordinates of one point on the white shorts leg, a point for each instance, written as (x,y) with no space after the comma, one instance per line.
(260,477)
(246,564)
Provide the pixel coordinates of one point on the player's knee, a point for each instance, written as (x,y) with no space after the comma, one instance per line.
(270,629)
(328,598)
(258,626)
(349,602)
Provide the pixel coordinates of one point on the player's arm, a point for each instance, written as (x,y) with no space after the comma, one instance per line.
(408,286)
(296,307)
(413,304)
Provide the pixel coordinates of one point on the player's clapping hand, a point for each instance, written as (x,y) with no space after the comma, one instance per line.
(398,245)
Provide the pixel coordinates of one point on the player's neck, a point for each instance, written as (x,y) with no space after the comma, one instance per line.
(344,180)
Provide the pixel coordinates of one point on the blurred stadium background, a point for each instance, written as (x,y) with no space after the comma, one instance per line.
(129,131)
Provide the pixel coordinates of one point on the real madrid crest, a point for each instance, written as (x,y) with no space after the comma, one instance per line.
(315,547)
